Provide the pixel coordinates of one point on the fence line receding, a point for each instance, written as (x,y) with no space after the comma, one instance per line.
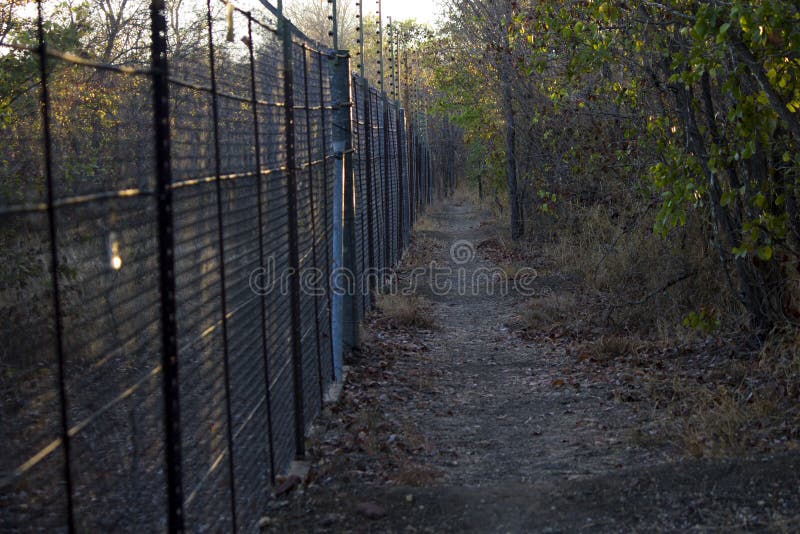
(167,241)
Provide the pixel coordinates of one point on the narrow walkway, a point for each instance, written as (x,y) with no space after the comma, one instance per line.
(498,386)
(467,427)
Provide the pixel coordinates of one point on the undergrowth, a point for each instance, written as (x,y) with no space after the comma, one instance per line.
(659,308)
(650,285)
(404,311)
(745,405)
(420,251)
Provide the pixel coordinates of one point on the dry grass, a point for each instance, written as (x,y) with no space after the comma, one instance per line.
(715,419)
(704,404)
(510,269)
(548,311)
(413,475)
(420,252)
(780,356)
(464,194)
(620,257)
(368,425)
(426,223)
(707,396)
(406,310)
(468,194)
(611,347)
(741,406)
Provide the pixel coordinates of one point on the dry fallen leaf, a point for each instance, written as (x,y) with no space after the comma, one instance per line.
(287,485)
(370,510)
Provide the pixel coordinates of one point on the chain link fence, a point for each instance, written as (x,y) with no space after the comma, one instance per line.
(166,242)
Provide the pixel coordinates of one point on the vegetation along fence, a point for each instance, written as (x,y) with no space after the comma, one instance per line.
(172,222)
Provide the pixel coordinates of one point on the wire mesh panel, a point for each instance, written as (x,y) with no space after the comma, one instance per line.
(33,487)
(306,168)
(393,180)
(377,199)
(79,369)
(102,158)
(402,178)
(318,106)
(200,288)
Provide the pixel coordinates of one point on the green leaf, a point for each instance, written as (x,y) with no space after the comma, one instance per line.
(700,28)
(722,31)
(727,198)
(765,252)
(771,75)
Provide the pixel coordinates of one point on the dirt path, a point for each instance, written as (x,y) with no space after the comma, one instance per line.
(467,427)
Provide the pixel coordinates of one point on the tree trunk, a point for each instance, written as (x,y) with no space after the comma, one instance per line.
(517,225)
(753,293)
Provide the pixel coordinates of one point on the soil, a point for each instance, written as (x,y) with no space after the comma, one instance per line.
(470,426)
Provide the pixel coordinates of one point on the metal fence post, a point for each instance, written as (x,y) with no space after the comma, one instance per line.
(412,173)
(424,169)
(44,107)
(377,182)
(401,193)
(222,267)
(420,177)
(431,177)
(423,190)
(387,200)
(360,200)
(166,261)
(327,215)
(285,32)
(452,156)
(346,316)
(369,155)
